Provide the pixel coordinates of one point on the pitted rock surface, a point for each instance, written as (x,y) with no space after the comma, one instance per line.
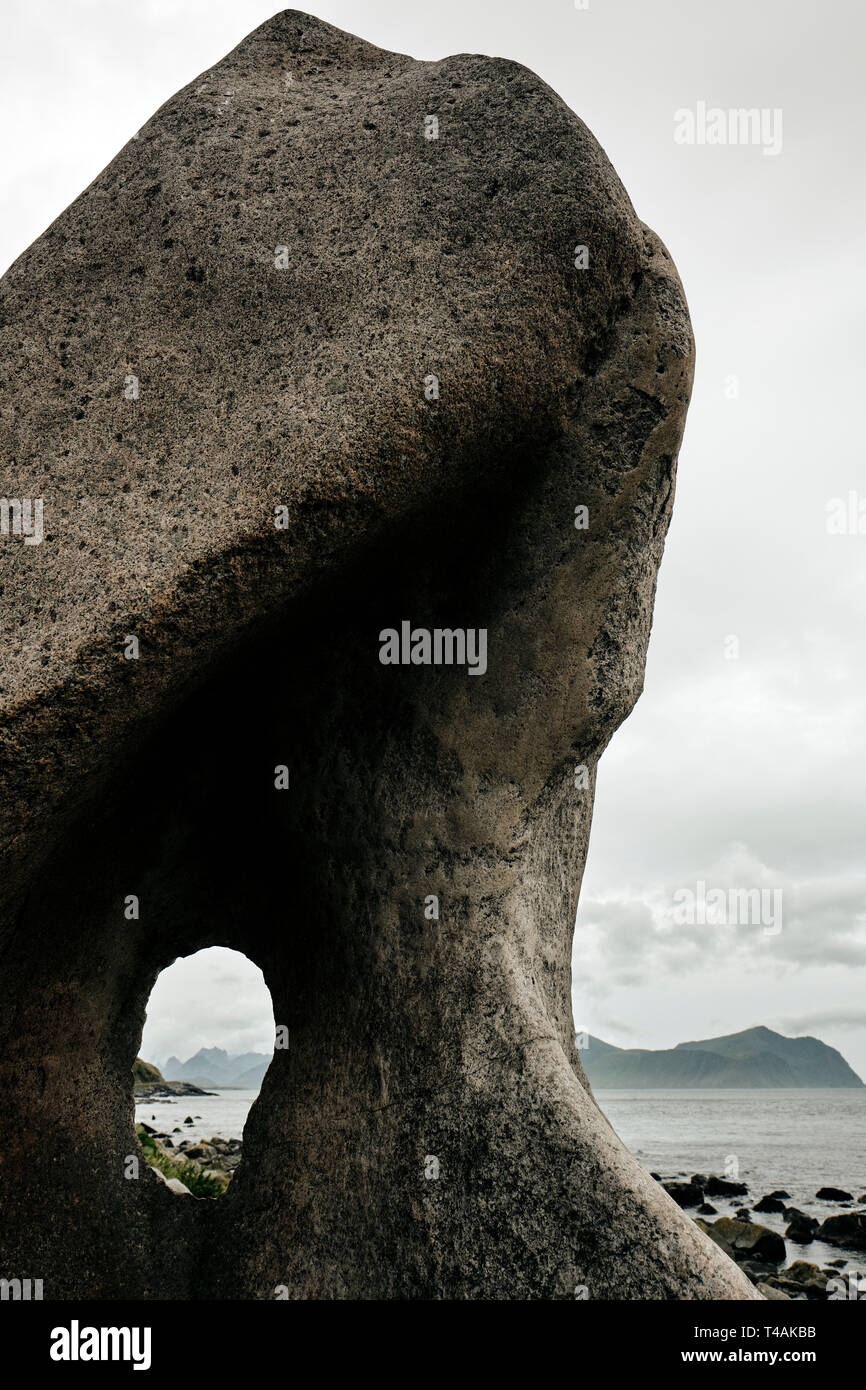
(239,324)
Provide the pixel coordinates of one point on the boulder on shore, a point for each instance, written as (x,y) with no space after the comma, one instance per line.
(801,1228)
(847,1229)
(804,1272)
(724,1187)
(745,1239)
(685,1194)
(769,1204)
(174,1185)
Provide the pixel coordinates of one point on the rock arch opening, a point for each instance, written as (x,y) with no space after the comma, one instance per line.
(207,1043)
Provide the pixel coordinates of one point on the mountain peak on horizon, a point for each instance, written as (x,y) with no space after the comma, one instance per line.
(758,1031)
(213,1066)
(754,1057)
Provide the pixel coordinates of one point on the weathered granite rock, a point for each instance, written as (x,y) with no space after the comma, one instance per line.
(172,379)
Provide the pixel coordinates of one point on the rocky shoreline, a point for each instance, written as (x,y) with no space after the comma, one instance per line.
(757,1249)
(761,1251)
(214,1160)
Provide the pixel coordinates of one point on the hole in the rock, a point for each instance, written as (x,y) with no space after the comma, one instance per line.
(206,1045)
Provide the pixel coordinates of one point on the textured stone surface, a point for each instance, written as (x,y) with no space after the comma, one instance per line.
(303,387)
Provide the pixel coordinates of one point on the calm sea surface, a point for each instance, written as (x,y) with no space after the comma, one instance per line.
(223,1114)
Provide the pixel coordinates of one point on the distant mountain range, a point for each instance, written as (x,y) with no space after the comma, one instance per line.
(757,1057)
(211,1067)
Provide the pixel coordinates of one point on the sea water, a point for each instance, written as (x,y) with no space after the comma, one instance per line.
(795,1140)
(223,1114)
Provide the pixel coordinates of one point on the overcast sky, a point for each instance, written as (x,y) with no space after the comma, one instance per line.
(216,998)
(743,772)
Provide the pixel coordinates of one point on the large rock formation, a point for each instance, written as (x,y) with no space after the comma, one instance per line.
(218,371)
